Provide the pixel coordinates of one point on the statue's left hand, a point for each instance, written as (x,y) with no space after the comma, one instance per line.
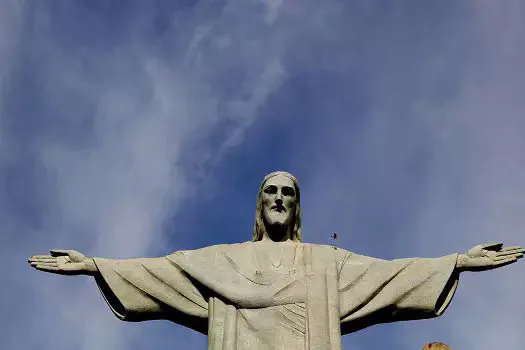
(64,262)
(488,256)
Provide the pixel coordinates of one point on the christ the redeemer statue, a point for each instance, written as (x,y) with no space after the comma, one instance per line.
(276,292)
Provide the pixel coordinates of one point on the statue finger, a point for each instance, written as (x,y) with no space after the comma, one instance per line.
(46,265)
(510,252)
(511,248)
(33,259)
(504,262)
(516,249)
(492,246)
(506,257)
(41,257)
(50,263)
(47,268)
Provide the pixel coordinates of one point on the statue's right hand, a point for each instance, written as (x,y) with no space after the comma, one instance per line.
(62,262)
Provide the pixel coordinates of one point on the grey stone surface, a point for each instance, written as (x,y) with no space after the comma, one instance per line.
(276,292)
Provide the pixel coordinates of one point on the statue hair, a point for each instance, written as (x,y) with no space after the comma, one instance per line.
(259,229)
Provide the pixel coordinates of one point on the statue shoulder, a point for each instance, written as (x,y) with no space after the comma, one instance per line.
(213,250)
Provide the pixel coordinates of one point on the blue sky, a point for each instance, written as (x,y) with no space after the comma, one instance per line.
(135,128)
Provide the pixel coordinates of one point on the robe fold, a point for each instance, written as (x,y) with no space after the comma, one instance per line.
(223,292)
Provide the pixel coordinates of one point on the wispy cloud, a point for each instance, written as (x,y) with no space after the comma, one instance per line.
(404,127)
(435,166)
(118,129)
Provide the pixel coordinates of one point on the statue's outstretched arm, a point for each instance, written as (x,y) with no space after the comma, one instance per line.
(64,262)
(488,256)
(136,289)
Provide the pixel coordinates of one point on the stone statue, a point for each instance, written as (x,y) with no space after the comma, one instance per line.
(276,292)
(436,346)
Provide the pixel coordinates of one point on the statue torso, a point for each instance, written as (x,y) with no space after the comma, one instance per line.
(252,274)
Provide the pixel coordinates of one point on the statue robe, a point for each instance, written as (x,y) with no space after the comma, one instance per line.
(223,292)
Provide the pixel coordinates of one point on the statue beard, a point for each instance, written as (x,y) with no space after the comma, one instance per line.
(277,231)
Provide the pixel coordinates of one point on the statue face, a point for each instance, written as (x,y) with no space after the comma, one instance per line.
(278,201)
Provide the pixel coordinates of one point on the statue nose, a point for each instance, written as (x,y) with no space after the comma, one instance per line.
(279,201)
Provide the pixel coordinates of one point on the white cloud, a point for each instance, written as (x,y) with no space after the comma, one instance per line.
(142,118)
(128,140)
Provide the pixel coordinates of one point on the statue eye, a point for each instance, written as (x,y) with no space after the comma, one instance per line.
(270,189)
(288,191)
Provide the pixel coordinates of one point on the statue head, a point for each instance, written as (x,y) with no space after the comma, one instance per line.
(436,346)
(278,210)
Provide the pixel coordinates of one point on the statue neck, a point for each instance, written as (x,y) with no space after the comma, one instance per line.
(277,233)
